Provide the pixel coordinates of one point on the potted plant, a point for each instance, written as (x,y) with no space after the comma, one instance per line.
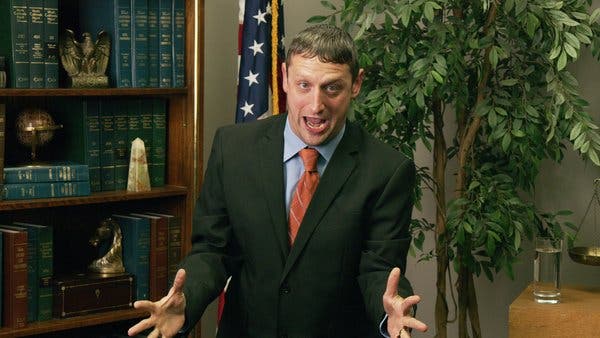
(483,84)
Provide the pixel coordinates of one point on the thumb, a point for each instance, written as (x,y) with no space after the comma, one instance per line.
(179,281)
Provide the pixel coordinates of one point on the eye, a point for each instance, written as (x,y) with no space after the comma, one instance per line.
(303,85)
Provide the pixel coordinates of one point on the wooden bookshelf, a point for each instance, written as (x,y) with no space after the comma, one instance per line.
(183,163)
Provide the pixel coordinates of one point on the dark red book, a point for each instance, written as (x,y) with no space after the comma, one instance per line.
(159,237)
(14,297)
(174,244)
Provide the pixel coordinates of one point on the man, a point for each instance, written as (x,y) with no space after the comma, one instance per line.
(340,273)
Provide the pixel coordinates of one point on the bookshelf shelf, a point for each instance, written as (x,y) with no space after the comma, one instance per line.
(94,198)
(9,92)
(54,325)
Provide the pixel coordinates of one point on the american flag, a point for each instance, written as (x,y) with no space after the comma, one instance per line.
(258,63)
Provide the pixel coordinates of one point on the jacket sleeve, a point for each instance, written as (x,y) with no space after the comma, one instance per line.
(387,240)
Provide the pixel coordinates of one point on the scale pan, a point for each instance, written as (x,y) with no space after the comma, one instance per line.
(589,255)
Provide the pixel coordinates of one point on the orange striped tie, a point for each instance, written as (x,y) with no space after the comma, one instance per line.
(304,190)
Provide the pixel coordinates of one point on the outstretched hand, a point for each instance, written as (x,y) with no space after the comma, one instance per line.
(398,309)
(167,315)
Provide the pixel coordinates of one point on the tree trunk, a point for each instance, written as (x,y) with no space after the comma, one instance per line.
(473,309)
(441,249)
(463,300)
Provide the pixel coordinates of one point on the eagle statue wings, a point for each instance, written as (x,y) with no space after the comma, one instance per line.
(86,58)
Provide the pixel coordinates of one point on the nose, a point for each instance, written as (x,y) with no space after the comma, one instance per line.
(316,104)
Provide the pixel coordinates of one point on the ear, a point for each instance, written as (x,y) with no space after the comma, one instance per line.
(284,80)
(358,83)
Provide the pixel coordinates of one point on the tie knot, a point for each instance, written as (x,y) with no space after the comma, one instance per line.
(309,156)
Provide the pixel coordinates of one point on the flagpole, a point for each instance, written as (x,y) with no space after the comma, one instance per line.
(274,54)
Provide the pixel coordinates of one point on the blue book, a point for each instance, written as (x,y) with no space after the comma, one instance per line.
(136,251)
(36,44)
(153,43)
(43,248)
(20,191)
(139,43)
(50,43)
(107,146)
(121,146)
(178,43)
(158,145)
(165,48)
(14,41)
(56,172)
(113,17)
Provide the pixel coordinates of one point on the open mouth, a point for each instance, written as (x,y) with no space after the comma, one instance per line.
(315,125)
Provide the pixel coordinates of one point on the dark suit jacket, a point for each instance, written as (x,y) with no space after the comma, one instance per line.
(331,282)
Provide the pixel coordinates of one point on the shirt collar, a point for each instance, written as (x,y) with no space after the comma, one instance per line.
(292,144)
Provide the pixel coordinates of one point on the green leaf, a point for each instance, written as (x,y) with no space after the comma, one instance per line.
(575,131)
(570,50)
(437,76)
(520,6)
(420,99)
(562,61)
(509,82)
(518,133)
(317,19)
(328,4)
(428,11)
(532,24)
(594,156)
(493,57)
(595,15)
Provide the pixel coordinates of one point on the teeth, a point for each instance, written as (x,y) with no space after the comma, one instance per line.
(313,125)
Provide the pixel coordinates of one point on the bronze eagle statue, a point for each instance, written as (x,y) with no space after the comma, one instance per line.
(86,58)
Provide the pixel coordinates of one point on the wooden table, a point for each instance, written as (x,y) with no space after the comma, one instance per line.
(577,315)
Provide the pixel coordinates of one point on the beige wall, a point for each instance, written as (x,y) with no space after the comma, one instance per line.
(568,186)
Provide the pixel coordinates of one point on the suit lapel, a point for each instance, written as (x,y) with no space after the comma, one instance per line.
(338,170)
(271,166)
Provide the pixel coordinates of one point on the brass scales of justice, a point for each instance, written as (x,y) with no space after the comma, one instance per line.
(588,255)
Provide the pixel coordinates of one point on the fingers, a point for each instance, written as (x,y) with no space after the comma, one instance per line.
(143,305)
(391,289)
(415,324)
(179,280)
(140,326)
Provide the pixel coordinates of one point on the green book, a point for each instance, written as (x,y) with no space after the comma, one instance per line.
(51,43)
(144,110)
(121,147)
(43,249)
(79,139)
(157,162)
(14,41)
(36,43)
(107,146)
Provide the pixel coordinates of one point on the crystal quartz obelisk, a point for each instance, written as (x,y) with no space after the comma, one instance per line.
(138,179)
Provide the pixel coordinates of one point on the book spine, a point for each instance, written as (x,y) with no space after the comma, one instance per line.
(156,164)
(139,45)
(32,275)
(57,173)
(178,23)
(14,311)
(50,43)
(36,43)
(92,142)
(146,122)
(107,150)
(45,271)
(174,247)
(120,145)
(159,232)
(123,34)
(153,43)
(19,58)
(165,33)
(19,191)
(2,142)
(136,251)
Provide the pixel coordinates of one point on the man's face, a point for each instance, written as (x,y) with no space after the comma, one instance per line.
(318,97)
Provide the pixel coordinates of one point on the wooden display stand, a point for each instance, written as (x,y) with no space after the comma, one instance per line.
(577,315)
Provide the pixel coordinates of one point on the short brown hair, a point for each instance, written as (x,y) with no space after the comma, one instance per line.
(329,43)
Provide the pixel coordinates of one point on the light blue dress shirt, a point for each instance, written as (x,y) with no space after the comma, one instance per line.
(292,163)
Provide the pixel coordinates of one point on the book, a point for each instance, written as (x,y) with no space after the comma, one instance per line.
(20,191)
(50,43)
(55,172)
(2,141)
(158,143)
(178,35)
(107,146)
(79,140)
(113,17)
(41,239)
(14,297)
(121,146)
(139,43)
(158,283)
(173,244)
(145,113)
(36,43)
(165,48)
(153,43)
(14,41)
(136,251)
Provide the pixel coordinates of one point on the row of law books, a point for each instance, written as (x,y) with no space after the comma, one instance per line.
(151,244)
(29,42)
(60,179)
(147,40)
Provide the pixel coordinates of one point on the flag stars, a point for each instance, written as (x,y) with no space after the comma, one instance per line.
(260,17)
(257,48)
(247,108)
(252,78)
